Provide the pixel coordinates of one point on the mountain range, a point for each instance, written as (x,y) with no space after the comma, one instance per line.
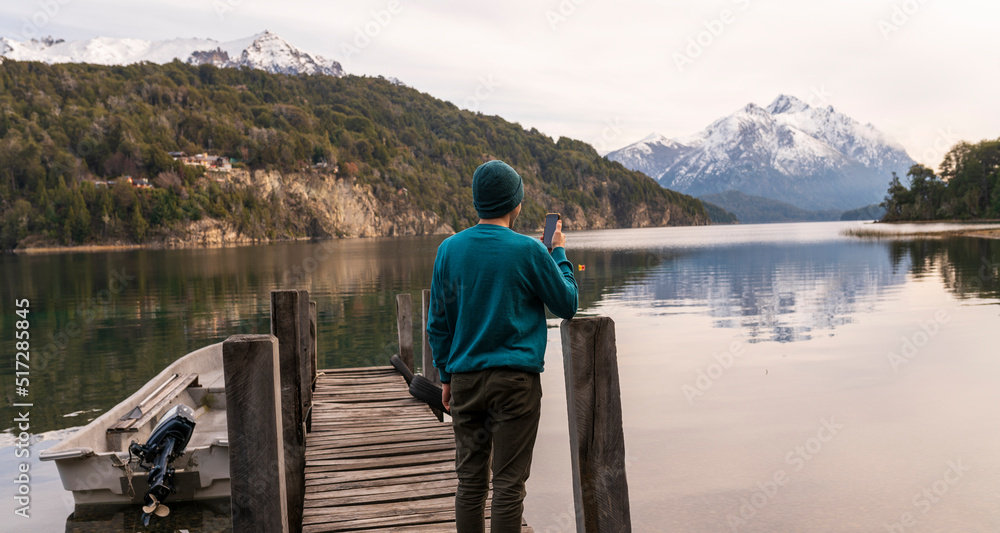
(815,158)
(264,51)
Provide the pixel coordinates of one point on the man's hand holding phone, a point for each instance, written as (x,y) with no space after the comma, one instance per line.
(558,238)
(553,236)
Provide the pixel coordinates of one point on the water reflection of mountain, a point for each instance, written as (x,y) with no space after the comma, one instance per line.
(104,323)
(774,292)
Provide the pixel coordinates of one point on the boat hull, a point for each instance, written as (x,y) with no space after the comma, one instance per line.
(201,474)
(94,463)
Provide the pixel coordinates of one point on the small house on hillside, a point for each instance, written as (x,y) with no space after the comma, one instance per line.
(209,162)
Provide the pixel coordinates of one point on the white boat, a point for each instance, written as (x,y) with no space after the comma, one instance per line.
(95,463)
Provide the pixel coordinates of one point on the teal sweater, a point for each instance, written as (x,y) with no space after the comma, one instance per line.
(488,293)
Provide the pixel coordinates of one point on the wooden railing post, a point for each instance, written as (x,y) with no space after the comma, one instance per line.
(253,420)
(313,330)
(305,360)
(286,325)
(430,372)
(404,326)
(597,443)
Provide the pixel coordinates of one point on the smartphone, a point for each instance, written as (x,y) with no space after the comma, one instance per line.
(550,229)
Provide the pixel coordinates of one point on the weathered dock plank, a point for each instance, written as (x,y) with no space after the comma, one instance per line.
(377,459)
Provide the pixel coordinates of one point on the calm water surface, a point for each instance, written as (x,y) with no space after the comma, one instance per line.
(775,378)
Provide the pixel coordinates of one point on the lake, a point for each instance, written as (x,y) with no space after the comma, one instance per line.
(774,378)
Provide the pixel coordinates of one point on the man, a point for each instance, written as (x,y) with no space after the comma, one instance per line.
(487,332)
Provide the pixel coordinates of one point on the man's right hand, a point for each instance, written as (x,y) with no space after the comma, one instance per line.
(558,238)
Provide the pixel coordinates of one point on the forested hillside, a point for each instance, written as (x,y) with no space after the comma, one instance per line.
(396,150)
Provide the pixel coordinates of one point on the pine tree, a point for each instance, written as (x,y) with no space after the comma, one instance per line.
(896,200)
(138,224)
(79,220)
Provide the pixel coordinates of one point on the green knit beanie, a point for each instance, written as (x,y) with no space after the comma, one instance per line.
(496,189)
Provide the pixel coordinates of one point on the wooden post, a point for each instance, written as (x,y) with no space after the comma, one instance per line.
(286,323)
(305,360)
(313,325)
(253,419)
(597,443)
(430,372)
(404,325)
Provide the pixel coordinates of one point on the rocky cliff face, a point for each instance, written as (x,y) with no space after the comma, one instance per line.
(575,217)
(314,205)
(321,205)
(326,205)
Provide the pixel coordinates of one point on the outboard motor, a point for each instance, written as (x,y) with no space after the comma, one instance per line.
(166,443)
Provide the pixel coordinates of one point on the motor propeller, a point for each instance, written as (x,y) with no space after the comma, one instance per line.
(165,443)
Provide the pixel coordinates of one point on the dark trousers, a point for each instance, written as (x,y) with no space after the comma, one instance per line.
(493,411)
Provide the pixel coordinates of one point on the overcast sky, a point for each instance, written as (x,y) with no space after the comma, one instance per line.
(925,72)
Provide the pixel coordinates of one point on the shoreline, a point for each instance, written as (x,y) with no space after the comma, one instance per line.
(983,221)
(987,233)
(990,229)
(152,246)
(983,234)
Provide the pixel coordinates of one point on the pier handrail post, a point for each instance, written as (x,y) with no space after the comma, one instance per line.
(313,336)
(404,327)
(430,371)
(306,359)
(597,442)
(253,420)
(286,326)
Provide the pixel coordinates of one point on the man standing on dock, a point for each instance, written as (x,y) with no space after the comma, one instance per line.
(487,333)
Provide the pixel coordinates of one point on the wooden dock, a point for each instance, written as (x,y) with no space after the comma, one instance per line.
(352,450)
(377,459)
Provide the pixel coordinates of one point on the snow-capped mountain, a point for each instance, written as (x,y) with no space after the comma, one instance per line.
(651,155)
(811,157)
(265,51)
